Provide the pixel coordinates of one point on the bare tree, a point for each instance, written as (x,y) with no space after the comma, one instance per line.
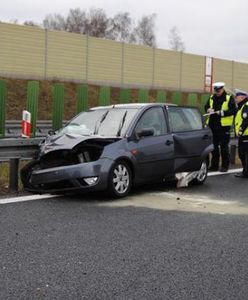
(120,27)
(77,21)
(96,23)
(55,21)
(143,33)
(175,40)
(31,23)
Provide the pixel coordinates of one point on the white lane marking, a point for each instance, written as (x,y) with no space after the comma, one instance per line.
(47,196)
(225,173)
(26,198)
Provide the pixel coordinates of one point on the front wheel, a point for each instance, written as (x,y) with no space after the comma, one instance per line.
(202,174)
(120,180)
(26,173)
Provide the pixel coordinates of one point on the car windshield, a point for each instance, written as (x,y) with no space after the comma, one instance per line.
(106,122)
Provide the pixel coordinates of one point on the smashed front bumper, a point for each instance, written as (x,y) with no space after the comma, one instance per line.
(83,176)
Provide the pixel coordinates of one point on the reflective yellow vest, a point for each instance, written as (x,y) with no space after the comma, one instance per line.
(239,120)
(225,121)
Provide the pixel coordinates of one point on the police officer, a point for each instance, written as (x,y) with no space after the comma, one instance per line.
(241,130)
(221,108)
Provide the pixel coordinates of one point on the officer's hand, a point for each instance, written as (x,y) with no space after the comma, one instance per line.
(240,133)
(210,110)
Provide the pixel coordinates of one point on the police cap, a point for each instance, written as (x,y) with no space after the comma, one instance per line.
(238,92)
(218,85)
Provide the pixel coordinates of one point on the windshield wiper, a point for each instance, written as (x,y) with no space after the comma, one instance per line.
(121,124)
(99,122)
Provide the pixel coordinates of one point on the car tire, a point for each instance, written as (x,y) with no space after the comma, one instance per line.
(202,174)
(120,180)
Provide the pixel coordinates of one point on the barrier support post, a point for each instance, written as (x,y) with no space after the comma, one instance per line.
(13,174)
(3,93)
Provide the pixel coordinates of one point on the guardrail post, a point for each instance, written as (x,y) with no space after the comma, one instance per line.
(204,99)
(104,98)
(82,98)
(32,103)
(58,106)
(177,98)
(125,95)
(192,99)
(143,96)
(13,174)
(3,93)
(161,96)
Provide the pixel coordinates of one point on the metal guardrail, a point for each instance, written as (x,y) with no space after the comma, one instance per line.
(13,128)
(18,148)
(14,149)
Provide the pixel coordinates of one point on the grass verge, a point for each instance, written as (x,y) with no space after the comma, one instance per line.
(4,177)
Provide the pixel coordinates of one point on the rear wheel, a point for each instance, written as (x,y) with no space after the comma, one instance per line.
(120,180)
(202,174)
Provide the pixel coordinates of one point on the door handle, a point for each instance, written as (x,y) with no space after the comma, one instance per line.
(205,137)
(168,143)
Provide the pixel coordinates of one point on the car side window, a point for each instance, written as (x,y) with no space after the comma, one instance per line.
(184,119)
(154,119)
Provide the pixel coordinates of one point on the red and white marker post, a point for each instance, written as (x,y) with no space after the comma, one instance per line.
(26,124)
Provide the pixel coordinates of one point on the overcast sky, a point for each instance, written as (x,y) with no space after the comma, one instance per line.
(217,28)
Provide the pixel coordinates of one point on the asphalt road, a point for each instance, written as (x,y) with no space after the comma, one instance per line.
(159,243)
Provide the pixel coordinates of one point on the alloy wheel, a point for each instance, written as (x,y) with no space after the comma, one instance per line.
(121,179)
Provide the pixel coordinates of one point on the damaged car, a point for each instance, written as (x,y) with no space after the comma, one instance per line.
(115,147)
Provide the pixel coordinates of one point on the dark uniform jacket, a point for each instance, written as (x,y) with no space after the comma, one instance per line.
(244,114)
(214,120)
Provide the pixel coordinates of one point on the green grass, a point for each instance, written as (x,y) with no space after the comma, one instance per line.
(4,176)
(4,171)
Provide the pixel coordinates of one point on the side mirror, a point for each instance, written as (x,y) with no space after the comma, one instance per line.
(145,132)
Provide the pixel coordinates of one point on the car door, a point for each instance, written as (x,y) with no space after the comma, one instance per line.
(153,153)
(190,137)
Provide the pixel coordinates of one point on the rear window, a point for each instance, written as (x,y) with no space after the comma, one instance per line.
(184,119)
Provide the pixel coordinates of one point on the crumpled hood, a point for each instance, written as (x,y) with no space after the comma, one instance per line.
(67,141)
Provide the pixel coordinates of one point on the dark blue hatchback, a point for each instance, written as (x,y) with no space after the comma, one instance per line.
(114,147)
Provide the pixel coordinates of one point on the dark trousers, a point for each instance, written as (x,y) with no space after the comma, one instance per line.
(243,155)
(221,147)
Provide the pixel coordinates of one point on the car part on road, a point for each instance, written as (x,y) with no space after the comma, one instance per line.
(202,174)
(197,177)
